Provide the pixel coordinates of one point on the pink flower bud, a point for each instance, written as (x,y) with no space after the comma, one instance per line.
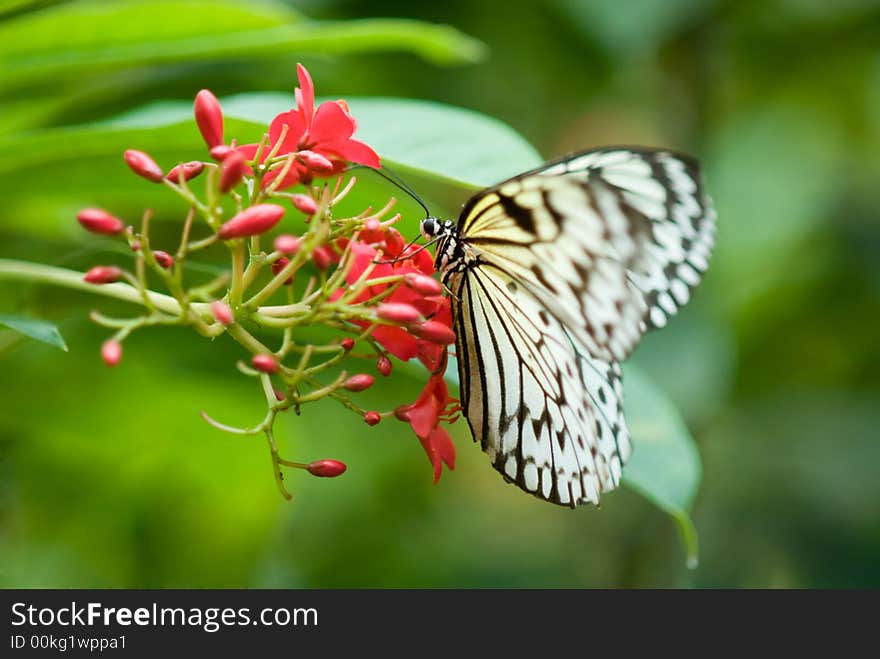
(209,118)
(111,352)
(100,221)
(383,365)
(222,312)
(221,152)
(372,418)
(359,382)
(373,231)
(326,468)
(435,332)
(278,266)
(163,258)
(287,244)
(103,274)
(422,284)
(315,161)
(189,170)
(265,363)
(253,221)
(232,171)
(321,258)
(279,395)
(142,165)
(347,344)
(304,203)
(398,312)
(135,246)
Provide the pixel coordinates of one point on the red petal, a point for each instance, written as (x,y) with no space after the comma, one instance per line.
(352,151)
(442,443)
(295,129)
(331,124)
(306,98)
(397,341)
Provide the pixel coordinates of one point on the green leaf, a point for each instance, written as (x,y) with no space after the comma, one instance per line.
(665,465)
(35,329)
(99,36)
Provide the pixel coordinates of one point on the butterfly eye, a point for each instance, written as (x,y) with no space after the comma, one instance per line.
(429,227)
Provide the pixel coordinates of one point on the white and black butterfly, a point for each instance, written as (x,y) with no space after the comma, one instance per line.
(556,274)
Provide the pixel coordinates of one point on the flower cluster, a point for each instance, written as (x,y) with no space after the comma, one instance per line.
(352,274)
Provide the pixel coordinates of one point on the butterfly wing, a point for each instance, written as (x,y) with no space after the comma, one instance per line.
(561,271)
(611,240)
(550,419)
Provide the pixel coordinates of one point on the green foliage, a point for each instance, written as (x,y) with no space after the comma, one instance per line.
(38,330)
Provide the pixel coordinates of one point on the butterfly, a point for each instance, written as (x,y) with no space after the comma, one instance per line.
(555,275)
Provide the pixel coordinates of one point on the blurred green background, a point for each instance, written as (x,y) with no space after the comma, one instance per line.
(109,478)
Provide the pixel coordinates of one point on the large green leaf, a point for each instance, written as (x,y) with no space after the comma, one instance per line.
(665,465)
(100,36)
(39,330)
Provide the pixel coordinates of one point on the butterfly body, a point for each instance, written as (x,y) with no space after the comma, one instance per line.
(555,276)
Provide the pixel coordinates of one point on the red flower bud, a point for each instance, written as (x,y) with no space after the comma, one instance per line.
(111,352)
(435,332)
(100,221)
(321,258)
(163,258)
(383,365)
(372,418)
(209,118)
(135,246)
(265,363)
(189,170)
(304,203)
(103,274)
(222,312)
(315,161)
(326,468)
(394,242)
(253,221)
(278,266)
(279,395)
(422,284)
(372,231)
(142,165)
(359,382)
(221,152)
(398,312)
(232,171)
(287,244)
(347,344)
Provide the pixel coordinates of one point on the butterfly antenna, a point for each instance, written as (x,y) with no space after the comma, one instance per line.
(396,181)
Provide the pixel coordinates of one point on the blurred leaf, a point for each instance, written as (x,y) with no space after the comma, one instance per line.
(665,465)
(39,330)
(101,36)
(636,26)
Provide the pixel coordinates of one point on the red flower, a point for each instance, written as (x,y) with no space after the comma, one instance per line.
(326,131)
(424,415)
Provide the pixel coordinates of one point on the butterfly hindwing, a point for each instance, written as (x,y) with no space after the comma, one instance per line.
(550,420)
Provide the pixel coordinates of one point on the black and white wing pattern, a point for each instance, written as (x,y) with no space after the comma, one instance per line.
(557,274)
(550,420)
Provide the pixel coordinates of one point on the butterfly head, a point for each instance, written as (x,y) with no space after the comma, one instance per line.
(443,233)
